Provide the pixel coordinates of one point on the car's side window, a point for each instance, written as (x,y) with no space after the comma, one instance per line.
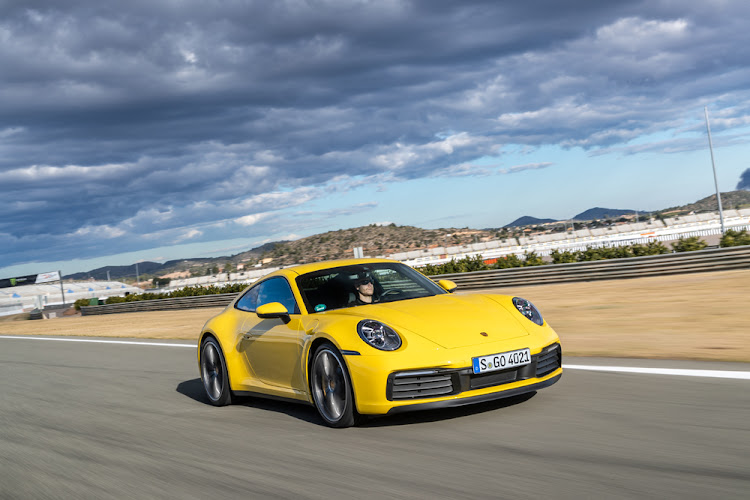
(278,290)
(249,301)
(271,290)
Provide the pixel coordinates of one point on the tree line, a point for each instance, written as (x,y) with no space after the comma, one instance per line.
(477,263)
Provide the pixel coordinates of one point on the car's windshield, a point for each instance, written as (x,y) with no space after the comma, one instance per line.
(339,287)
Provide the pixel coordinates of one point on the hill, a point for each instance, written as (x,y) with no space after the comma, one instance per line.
(527,220)
(730,200)
(375,240)
(194,266)
(117,272)
(596,213)
(602,213)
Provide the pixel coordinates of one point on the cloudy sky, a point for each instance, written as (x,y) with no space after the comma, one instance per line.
(153,130)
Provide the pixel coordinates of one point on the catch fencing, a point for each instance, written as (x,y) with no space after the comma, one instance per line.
(720,259)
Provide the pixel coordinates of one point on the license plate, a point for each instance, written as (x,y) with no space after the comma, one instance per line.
(502,361)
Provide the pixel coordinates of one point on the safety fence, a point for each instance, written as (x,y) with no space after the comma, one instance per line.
(720,259)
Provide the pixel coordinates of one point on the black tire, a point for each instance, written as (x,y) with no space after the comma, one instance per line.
(332,388)
(214,373)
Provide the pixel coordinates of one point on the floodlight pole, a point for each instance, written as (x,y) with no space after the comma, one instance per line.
(713,164)
(62,289)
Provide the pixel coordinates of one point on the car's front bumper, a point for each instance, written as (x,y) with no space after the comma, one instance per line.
(387,389)
(467,400)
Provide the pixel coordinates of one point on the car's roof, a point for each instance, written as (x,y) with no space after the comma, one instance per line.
(328,264)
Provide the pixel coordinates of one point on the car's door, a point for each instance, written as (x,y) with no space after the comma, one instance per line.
(273,346)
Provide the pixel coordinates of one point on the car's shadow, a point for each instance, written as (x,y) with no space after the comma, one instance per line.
(194,390)
(424,416)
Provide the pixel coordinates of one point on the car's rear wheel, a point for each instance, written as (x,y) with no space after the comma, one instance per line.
(214,373)
(331,387)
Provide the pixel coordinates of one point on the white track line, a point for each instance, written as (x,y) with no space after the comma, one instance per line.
(663,371)
(97,341)
(737,375)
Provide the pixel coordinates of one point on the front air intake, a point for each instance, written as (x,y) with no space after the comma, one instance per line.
(419,385)
(549,360)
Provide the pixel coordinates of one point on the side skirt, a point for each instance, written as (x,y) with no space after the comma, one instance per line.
(270,396)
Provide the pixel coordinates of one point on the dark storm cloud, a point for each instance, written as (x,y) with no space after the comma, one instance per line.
(744,180)
(128,125)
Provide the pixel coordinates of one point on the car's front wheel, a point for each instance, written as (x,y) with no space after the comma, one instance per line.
(331,387)
(214,373)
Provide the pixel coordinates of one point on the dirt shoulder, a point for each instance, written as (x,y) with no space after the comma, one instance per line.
(691,316)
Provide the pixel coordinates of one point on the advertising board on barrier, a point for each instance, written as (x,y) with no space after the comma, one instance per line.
(31,279)
(47,277)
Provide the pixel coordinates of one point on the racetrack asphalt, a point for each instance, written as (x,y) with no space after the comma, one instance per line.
(92,420)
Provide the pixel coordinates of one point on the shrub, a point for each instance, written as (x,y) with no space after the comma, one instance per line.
(650,248)
(160,282)
(507,262)
(592,254)
(690,244)
(733,238)
(563,257)
(532,259)
(79,303)
(467,264)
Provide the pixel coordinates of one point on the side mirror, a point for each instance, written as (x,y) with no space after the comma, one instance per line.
(272,310)
(447,285)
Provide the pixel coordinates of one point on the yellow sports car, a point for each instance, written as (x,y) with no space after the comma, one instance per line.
(372,337)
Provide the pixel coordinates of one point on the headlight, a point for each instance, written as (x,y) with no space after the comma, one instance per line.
(527,309)
(378,335)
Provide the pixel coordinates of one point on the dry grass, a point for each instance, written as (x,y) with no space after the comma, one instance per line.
(693,316)
(690,316)
(152,325)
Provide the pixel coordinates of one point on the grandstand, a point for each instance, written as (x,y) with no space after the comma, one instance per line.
(220,279)
(23,298)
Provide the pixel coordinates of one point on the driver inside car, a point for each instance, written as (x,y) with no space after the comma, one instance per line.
(364,292)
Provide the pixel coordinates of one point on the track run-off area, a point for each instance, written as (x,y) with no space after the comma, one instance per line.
(120,418)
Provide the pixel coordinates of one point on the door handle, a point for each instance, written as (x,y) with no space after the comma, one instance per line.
(250,335)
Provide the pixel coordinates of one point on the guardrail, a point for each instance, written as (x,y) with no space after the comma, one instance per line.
(217,300)
(721,259)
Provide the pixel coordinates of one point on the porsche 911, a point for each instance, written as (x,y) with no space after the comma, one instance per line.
(374,337)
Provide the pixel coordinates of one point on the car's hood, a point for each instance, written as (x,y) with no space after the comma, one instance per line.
(450,321)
